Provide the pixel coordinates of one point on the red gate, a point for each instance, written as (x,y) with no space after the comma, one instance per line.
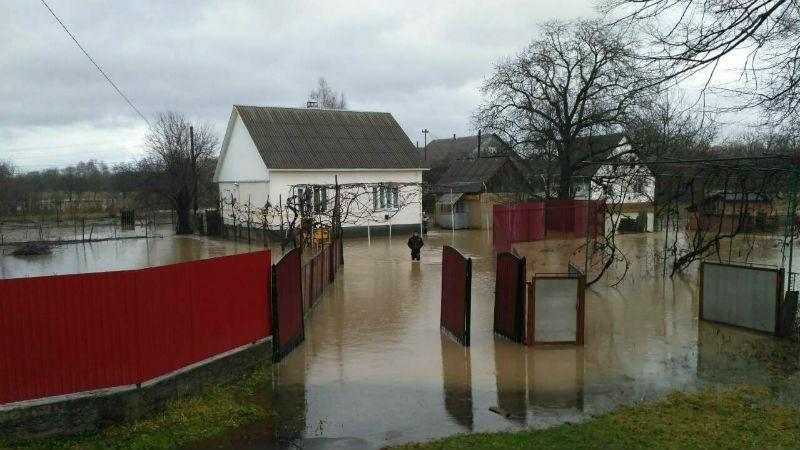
(287,305)
(509,297)
(456,294)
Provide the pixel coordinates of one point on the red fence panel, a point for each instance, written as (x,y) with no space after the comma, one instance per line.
(509,297)
(456,294)
(559,215)
(596,222)
(287,304)
(517,223)
(73,333)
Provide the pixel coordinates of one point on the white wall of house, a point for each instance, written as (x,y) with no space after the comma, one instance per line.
(240,161)
(409,213)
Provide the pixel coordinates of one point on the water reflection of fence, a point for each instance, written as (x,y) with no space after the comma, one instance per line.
(318,271)
(73,333)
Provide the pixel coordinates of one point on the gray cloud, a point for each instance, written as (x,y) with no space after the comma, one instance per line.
(421,61)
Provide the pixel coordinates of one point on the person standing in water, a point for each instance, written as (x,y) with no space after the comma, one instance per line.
(415,244)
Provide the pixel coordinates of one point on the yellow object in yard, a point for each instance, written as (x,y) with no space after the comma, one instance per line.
(321,234)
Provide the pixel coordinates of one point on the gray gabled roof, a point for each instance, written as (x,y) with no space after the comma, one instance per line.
(469,176)
(464,147)
(310,138)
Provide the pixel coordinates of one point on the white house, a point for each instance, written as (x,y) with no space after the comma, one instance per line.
(271,154)
(627,186)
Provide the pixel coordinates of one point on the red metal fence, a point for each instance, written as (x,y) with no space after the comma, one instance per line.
(72,333)
(319,271)
(456,294)
(287,304)
(518,223)
(525,222)
(509,297)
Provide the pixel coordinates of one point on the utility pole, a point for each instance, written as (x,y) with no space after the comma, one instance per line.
(194,170)
(479,143)
(425,133)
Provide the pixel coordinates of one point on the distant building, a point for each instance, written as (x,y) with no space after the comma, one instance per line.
(727,212)
(628,189)
(270,154)
(467,191)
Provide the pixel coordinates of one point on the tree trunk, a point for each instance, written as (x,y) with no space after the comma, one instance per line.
(183,206)
(565,175)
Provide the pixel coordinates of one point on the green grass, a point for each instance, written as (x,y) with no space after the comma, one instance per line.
(185,421)
(715,419)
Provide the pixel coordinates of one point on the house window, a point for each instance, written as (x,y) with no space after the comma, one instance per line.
(385,197)
(320,199)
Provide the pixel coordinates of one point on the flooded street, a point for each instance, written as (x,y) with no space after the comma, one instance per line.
(375,369)
(122,254)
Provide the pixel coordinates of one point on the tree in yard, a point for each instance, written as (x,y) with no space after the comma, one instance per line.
(759,37)
(327,97)
(579,78)
(172,167)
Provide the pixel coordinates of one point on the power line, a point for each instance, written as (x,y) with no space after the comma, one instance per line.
(95,64)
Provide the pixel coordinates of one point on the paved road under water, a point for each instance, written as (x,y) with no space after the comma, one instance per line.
(375,370)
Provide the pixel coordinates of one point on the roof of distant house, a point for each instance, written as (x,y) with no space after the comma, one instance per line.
(468,176)
(312,138)
(459,148)
(595,148)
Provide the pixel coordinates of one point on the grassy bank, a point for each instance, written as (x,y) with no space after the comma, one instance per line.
(743,417)
(187,420)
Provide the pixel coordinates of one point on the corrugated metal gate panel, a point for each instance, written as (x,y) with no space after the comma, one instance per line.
(509,297)
(740,295)
(456,295)
(287,304)
(72,333)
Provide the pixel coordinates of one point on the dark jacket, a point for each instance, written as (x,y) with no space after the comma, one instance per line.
(415,243)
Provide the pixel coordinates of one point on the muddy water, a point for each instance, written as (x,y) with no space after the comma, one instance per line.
(375,370)
(118,255)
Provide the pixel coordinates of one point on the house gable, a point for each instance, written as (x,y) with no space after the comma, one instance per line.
(239,159)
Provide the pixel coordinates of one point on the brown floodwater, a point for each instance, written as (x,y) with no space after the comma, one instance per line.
(121,254)
(375,369)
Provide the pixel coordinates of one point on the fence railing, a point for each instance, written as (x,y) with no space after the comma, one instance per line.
(318,271)
(72,333)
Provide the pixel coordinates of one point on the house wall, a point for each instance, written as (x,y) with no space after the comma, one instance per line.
(281,183)
(243,192)
(241,160)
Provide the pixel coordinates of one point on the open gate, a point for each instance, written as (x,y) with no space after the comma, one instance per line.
(456,294)
(509,297)
(288,330)
(556,308)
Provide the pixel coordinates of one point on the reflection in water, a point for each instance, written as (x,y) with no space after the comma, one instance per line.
(555,377)
(538,378)
(457,382)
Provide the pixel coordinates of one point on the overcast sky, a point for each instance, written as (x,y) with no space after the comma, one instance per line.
(421,61)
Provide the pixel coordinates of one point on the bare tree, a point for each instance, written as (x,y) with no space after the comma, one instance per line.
(327,97)
(170,167)
(577,79)
(761,37)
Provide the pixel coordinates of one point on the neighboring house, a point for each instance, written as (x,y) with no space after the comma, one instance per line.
(467,191)
(271,154)
(628,190)
(727,212)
